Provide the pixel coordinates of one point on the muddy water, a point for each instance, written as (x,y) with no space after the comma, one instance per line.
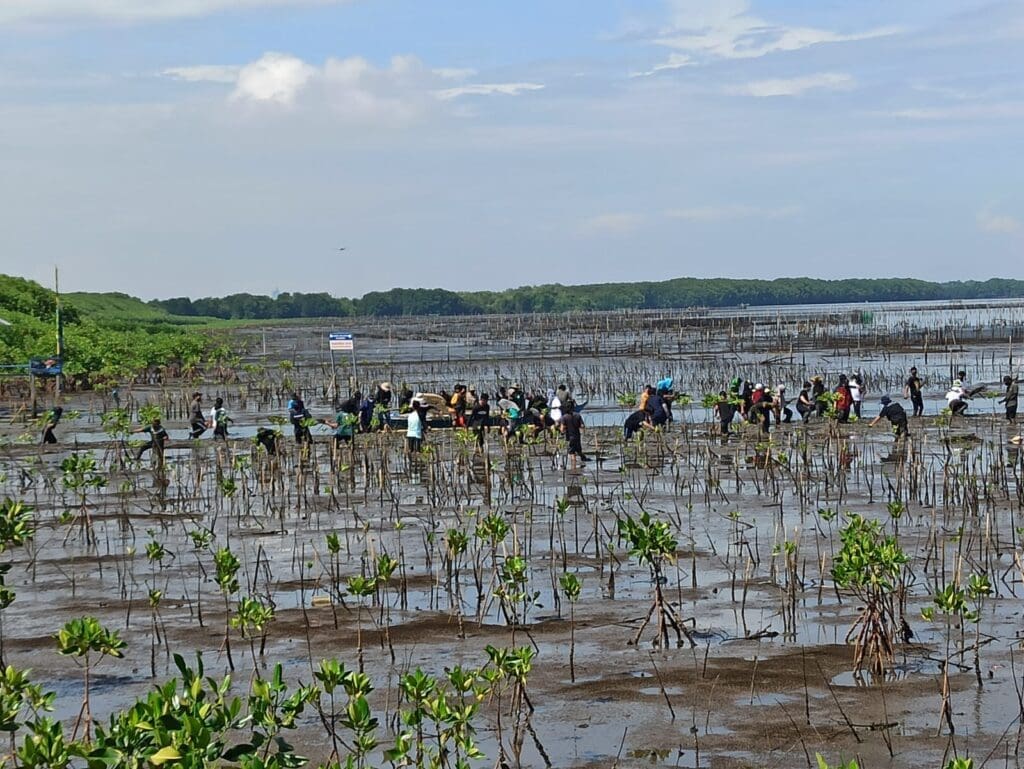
(768,681)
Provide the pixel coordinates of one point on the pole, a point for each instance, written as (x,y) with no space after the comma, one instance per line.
(60,330)
(355,374)
(334,371)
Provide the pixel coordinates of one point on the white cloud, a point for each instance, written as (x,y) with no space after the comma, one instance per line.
(796,86)
(204,73)
(998,223)
(274,77)
(354,87)
(725,29)
(487,89)
(674,61)
(131,10)
(727,212)
(611,224)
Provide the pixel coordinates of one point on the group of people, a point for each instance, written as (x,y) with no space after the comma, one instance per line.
(757,404)
(654,408)
(519,413)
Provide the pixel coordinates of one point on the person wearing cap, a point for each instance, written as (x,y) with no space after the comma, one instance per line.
(912,390)
(1009,400)
(383,396)
(957,398)
(895,414)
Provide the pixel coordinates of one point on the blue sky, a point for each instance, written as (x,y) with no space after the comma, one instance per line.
(206,147)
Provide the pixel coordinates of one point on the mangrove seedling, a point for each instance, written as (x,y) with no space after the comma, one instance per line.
(571,587)
(227,565)
(361,588)
(81,639)
(652,544)
(868,565)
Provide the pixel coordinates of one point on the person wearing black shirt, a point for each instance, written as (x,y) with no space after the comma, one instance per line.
(1010,399)
(895,414)
(817,390)
(571,426)
(725,410)
(480,418)
(912,390)
(196,419)
(52,420)
(804,402)
(634,422)
(761,413)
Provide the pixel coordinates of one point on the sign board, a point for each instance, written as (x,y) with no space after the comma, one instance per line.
(339,341)
(45,366)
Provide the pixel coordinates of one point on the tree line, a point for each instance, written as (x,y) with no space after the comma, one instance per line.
(669,294)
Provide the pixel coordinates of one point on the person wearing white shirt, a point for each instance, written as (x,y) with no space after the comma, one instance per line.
(857,392)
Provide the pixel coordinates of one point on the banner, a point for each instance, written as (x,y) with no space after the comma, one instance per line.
(339,341)
(45,366)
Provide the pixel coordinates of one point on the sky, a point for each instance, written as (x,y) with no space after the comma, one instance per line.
(206,147)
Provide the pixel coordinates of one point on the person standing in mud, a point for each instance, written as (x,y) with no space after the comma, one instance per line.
(844,399)
(351,404)
(895,414)
(414,430)
(196,418)
(571,425)
(761,413)
(344,426)
(634,423)
(480,418)
(725,411)
(1009,400)
(267,438)
(817,390)
(912,390)
(157,440)
(220,420)
(805,403)
(457,406)
(657,409)
(50,424)
(957,398)
(297,414)
(783,413)
(857,393)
